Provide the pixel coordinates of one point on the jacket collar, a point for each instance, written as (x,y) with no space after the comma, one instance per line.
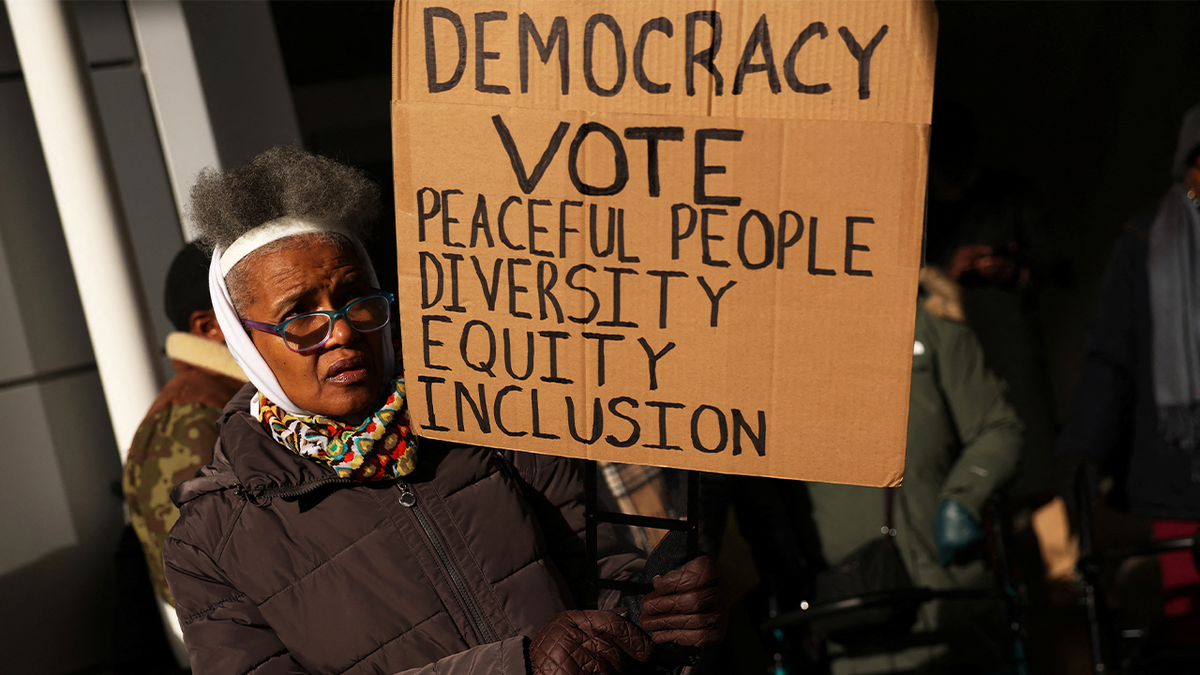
(247,459)
(201,352)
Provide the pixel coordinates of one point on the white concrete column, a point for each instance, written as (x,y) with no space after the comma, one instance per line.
(57,78)
(176,95)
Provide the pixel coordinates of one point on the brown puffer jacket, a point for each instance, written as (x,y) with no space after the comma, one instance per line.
(279,566)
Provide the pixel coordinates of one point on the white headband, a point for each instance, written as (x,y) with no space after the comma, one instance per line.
(274,230)
(236,338)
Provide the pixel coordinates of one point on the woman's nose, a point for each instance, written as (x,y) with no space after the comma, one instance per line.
(342,333)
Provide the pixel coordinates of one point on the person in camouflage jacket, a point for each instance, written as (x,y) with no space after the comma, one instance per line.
(177,435)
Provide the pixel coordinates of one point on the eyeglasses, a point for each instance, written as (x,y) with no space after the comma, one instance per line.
(312,330)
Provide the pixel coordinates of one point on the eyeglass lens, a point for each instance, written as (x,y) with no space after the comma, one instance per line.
(310,330)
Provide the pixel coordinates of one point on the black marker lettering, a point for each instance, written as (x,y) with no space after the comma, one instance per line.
(714,299)
(526,181)
(863,56)
(431,49)
(621,256)
(589,35)
(706,57)
(591,315)
(665,276)
(812,251)
(496,411)
(705,237)
(652,135)
(759,37)
(422,214)
(426,301)
(562,225)
(784,241)
(482,56)
(636,431)
(661,25)
(554,336)
(508,359)
(593,227)
(447,220)
(534,228)
(514,289)
(722,430)
(768,240)
(597,422)
(545,284)
(558,35)
(500,224)
(851,247)
(478,409)
(758,440)
(700,194)
(789,62)
(617,273)
(676,235)
(429,381)
(652,358)
(428,342)
(536,410)
(620,160)
(601,339)
(663,406)
(479,223)
(489,292)
(454,305)
(486,365)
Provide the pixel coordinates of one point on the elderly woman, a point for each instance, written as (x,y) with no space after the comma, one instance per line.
(320,540)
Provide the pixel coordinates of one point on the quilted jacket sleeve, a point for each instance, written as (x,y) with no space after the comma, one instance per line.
(224,632)
(554,487)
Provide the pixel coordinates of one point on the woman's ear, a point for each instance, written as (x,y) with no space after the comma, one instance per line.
(203,322)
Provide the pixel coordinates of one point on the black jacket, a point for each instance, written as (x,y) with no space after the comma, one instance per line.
(1113,418)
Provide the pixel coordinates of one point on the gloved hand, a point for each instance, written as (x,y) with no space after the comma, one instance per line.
(954,530)
(587,642)
(688,606)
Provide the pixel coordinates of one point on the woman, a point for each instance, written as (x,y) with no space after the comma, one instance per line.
(320,540)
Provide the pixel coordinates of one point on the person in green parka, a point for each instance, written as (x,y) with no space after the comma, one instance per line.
(964,440)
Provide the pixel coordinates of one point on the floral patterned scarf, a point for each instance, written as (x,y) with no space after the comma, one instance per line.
(383,447)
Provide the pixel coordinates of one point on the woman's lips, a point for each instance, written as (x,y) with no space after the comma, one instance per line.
(347,371)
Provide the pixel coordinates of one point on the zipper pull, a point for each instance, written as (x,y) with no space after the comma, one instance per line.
(408,498)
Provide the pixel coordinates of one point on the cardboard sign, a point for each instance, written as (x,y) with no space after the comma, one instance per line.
(664,232)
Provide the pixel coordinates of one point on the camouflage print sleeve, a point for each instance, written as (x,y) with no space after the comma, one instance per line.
(168,448)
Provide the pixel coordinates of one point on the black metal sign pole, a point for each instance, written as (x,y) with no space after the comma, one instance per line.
(595,516)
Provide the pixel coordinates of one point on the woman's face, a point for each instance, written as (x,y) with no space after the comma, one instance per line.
(343,377)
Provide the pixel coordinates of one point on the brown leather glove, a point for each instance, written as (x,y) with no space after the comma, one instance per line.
(587,642)
(689,606)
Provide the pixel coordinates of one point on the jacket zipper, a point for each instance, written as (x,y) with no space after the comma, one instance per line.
(261,496)
(408,499)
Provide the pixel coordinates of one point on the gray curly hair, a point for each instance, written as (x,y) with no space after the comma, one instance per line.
(283,181)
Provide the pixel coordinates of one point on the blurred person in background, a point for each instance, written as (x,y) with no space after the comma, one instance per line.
(964,442)
(1136,408)
(173,441)
(987,238)
(177,436)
